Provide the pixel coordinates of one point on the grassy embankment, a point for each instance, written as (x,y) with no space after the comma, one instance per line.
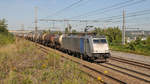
(6,38)
(24,63)
(131,48)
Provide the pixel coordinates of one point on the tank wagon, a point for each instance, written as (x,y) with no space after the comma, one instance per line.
(49,40)
(87,47)
(29,36)
(58,41)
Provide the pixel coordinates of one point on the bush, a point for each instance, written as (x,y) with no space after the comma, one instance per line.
(6,39)
(5,36)
(131,46)
(3,26)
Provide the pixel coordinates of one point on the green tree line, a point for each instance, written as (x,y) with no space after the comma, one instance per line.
(113,34)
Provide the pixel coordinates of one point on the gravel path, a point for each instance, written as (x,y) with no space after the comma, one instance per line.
(132,67)
(139,58)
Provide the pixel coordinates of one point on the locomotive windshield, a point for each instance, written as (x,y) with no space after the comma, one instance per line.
(99,41)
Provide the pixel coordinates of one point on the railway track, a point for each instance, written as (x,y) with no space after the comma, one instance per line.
(85,67)
(46,52)
(95,72)
(147,66)
(129,72)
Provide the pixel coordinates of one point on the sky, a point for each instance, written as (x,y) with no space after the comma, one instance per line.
(18,12)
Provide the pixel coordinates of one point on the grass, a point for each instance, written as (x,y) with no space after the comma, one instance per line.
(23,63)
(138,50)
(6,39)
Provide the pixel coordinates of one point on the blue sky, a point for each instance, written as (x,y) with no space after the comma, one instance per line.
(18,12)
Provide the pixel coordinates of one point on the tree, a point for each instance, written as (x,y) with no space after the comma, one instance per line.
(66,30)
(74,31)
(98,31)
(3,26)
(138,41)
(5,36)
(114,34)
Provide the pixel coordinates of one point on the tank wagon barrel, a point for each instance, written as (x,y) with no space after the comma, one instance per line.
(49,40)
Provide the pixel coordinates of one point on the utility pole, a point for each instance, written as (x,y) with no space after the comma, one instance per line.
(36,21)
(68,25)
(123,29)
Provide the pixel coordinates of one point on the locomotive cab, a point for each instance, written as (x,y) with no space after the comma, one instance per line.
(100,48)
(100,45)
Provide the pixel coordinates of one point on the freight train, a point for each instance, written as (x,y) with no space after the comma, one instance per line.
(88,47)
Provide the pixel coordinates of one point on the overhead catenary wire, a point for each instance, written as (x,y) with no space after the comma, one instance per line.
(118,16)
(102,8)
(126,17)
(110,19)
(108,9)
(120,7)
(136,13)
(133,14)
(64,9)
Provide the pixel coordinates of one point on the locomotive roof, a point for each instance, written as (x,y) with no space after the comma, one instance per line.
(86,36)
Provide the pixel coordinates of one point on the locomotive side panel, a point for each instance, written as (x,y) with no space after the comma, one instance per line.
(72,44)
(88,47)
(81,45)
(75,44)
